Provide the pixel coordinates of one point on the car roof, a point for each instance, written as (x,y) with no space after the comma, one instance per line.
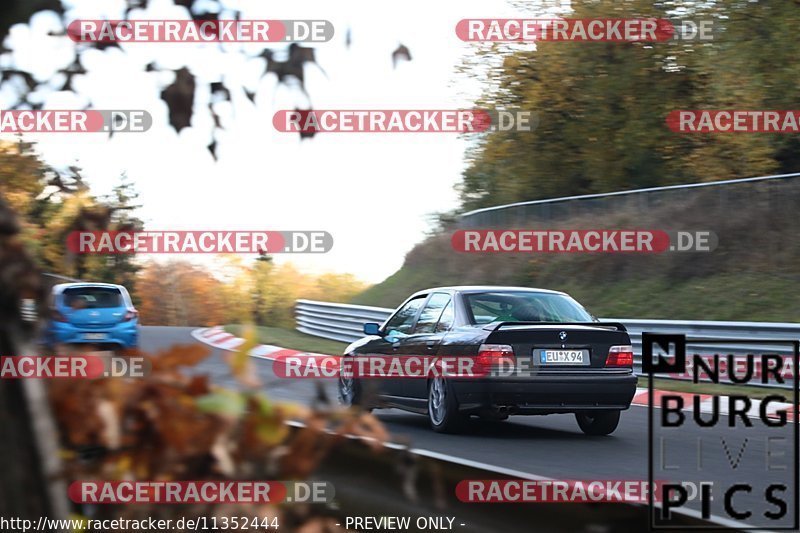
(486,288)
(61,287)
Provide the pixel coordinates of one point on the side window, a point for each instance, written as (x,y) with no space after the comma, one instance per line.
(447,318)
(430,315)
(402,320)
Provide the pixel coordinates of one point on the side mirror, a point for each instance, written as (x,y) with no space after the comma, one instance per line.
(372,328)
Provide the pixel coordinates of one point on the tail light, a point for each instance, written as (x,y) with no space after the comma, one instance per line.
(493,356)
(130,315)
(620,356)
(57,315)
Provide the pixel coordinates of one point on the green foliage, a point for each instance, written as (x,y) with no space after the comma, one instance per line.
(723,296)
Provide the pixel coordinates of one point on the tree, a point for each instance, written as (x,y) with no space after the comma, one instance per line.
(179,293)
(333,287)
(602,106)
(121,268)
(261,271)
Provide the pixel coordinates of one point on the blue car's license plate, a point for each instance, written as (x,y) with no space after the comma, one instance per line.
(95,336)
(564,357)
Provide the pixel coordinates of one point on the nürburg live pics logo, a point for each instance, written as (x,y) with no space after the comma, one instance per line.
(726,457)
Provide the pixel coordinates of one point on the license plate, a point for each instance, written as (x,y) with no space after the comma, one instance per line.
(564,357)
(94,336)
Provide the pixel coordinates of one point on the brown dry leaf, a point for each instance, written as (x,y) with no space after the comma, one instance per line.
(306,449)
(178,356)
(72,402)
(198,386)
(181,426)
(365,425)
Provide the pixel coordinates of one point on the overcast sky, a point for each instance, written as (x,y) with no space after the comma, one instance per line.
(372,192)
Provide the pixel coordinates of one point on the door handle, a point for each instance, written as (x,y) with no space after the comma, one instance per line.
(430,345)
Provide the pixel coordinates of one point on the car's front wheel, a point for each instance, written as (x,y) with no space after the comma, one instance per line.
(598,422)
(350,393)
(443,407)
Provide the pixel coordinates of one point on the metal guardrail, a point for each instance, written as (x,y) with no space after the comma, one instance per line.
(779,193)
(631,192)
(343,322)
(340,322)
(59,277)
(414,482)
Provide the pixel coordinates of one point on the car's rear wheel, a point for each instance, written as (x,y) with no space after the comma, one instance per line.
(443,407)
(598,422)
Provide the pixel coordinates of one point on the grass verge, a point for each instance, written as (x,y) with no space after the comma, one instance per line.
(714,388)
(724,296)
(292,339)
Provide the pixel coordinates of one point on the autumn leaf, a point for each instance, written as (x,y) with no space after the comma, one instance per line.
(263,425)
(367,427)
(240,361)
(223,402)
(178,356)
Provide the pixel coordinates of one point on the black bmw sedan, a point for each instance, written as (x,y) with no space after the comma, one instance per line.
(530,352)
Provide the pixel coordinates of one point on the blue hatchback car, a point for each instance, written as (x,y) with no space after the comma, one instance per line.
(92,313)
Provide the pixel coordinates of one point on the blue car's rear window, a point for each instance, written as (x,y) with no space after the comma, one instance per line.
(92,298)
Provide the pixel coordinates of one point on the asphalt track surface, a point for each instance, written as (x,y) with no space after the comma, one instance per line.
(554,447)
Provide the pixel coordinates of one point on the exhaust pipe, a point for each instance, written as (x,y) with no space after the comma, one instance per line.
(500,412)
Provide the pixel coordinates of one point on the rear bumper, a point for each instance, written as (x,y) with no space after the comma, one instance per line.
(544,395)
(124,334)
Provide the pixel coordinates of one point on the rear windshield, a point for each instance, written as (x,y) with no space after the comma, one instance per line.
(92,298)
(489,307)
